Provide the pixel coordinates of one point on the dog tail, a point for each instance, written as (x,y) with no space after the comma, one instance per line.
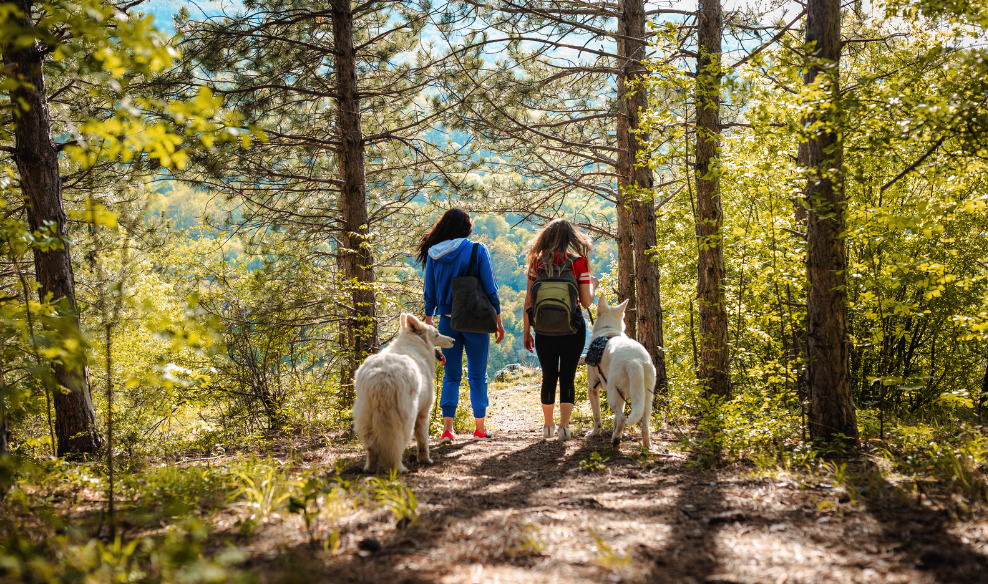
(641,399)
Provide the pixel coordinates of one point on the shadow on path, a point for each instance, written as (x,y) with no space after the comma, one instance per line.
(922,533)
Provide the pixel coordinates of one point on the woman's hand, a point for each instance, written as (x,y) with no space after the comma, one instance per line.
(499,335)
(428,321)
(594,282)
(529,342)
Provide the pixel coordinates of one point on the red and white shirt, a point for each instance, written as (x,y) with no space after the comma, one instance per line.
(581,268)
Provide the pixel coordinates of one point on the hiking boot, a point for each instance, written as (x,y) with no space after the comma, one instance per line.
(485,435)
(447,438)
(563,433)
(548,431)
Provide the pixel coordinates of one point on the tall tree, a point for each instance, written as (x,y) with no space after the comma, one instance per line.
(714,367)
(36,156)
(832,410)
(641,191)
(4,428)
(623,234)
(354,253)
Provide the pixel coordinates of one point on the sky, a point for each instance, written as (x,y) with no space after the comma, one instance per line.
(164,10)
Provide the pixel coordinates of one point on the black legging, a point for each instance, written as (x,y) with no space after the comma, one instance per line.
(559,358)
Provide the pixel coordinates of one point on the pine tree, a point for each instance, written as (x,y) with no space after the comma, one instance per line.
(832,411)
(714,369)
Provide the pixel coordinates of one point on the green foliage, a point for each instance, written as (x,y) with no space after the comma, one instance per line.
(263,488)
(397,498)
(595,463)
(320,503)
(177,556)
(167,491)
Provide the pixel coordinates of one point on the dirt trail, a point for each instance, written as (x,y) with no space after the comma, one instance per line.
(520,509)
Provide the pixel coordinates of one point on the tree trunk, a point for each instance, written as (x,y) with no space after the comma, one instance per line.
(714,368)
(4,429)
(37,164)
(642,206)
(982,406)
(831,403)
(355,256)
(625,236)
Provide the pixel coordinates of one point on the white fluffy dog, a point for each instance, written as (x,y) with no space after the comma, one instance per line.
(628,374)
(394,394)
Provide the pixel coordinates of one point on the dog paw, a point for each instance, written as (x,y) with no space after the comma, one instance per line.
(615,441)
(425,461)
(594,433)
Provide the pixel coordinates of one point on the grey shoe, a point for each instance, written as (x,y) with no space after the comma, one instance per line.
(563,433)
(548,431)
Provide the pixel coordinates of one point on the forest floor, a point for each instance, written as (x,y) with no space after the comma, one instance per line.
(522,509)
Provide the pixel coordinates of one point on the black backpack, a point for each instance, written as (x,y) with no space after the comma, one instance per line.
(555,309)
(471,309)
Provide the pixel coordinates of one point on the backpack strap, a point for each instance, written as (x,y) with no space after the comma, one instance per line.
(567,264)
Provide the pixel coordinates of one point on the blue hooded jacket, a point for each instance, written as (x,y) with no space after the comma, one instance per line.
(448,260)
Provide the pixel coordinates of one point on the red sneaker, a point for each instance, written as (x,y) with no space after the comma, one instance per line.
(486,435)
(447,438)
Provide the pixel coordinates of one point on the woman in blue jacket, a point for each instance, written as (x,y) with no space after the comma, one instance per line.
(445,253)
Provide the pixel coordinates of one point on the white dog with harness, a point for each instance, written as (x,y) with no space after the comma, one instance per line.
(624,368)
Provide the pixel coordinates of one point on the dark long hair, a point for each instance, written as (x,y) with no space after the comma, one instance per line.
(454,224)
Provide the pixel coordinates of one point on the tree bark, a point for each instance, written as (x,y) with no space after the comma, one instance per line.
(37,164)
(4,429)
(642,206)
(832,411)
(714,367)
(355,256)
(625,237)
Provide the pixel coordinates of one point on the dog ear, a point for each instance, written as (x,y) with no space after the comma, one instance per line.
(414,325)
(601,303)
(621,307)
(404,320)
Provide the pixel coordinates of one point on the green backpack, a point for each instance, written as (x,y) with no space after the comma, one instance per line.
(555,309)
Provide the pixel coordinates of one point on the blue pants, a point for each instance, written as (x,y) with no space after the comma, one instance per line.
(476,345)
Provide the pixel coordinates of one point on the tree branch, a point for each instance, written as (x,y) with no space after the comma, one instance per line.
(913,166)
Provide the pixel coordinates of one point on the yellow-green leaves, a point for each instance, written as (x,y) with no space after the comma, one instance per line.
(95,213)
(133,131)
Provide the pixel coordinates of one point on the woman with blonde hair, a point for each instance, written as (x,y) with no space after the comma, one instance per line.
(559,283)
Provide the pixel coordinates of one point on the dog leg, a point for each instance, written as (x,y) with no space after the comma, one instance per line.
(594,402)
(646,439)
(617,404)
(422,437)
(371,460)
